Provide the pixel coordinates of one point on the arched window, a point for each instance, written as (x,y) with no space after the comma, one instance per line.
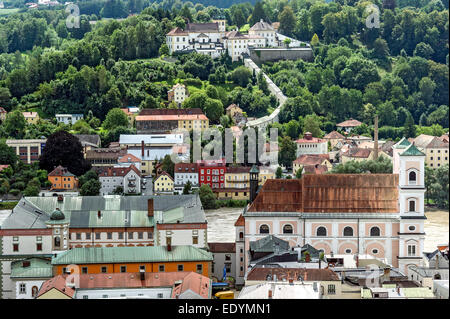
(321,231)
(263,229)
(287,229)
(34,291)
(375,232)
(412,177)
(412,205)
(57,241)
(348,231)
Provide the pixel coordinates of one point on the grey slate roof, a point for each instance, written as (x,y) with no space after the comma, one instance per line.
(268,244)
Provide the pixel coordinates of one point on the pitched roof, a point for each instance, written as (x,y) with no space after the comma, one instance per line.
(177,31)
(107,255)
(310,140)
(437,142)
(329,193)
(202,27)
(129,158)
(423,140)
(268,244)
(164,173)
(222,247)
(313,159)
(358,152)
(182,117)
(30,114)
(193,285)
(315,169)
(192,111)
(412,150)
(105,153)
(109,171)
(88,138)
(240,221)
(185,168)
(238,170)
(262,26)
(32,268)
(334,135)
(262,274)
(349,123)
(60,171)
(58,283)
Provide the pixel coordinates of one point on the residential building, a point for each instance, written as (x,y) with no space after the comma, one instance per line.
(281,290)
(362,154)
(436,150)
(178,94)
(28,275)
(265,173)
(232,193)
(129,159)
(349,125)
(238,44)
(167,120)
(31,117)
(311,145)
(149,259)
(184,173)
(212,173)
(112,178)
(266,31)
(88,141)
(163,184)
(62,179)
(237,177)
(68,118)
(28,151)
(377,214)
(142,285)
(3,113)
(224,260)
(306,162)
(99,157)
(43,226)
(334,138)
(131,112)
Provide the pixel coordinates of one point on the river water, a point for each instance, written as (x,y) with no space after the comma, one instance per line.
(221,226)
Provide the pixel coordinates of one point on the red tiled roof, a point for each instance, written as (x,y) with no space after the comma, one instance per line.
(129,158)
(308,138)
(60,171)
(311,159)
(2,167)
(186,168)
(329,193)
(349,123)
(358,152)
(58,283)
(238,170)
(334,135)
(30,114)
(308,274)
(315,169)
(177,31)
(197,283)
(240,221)
(116,171)
(171,111)
(222,247)
(171,117)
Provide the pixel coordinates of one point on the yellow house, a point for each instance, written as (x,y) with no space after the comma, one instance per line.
(233,193)
(163,183)
(237,177)
(31,117)
(308,160)
(436,153)
(265,173)
(55,288)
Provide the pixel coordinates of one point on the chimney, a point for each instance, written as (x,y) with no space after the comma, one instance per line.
(60,198)
(150,207)
(99,214)
(169,247)
(26,263)
(387,273)
(375,133)
(270,294)
(142,149)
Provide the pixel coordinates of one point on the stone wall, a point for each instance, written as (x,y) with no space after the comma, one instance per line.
(261,55)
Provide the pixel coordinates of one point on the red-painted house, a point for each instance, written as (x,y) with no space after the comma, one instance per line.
(212,173)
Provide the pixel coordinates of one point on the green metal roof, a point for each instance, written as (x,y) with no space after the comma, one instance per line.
(106,255)
(38,268)
(268,243)
(403,143)
(254,169)
(412,150)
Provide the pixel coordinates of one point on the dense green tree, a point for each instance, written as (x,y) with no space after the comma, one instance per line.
(207,197)
(287,21)
(7,154)
(288,151)
(15,124)
(115,117)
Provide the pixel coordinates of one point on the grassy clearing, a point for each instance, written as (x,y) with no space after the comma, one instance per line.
(6,12)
